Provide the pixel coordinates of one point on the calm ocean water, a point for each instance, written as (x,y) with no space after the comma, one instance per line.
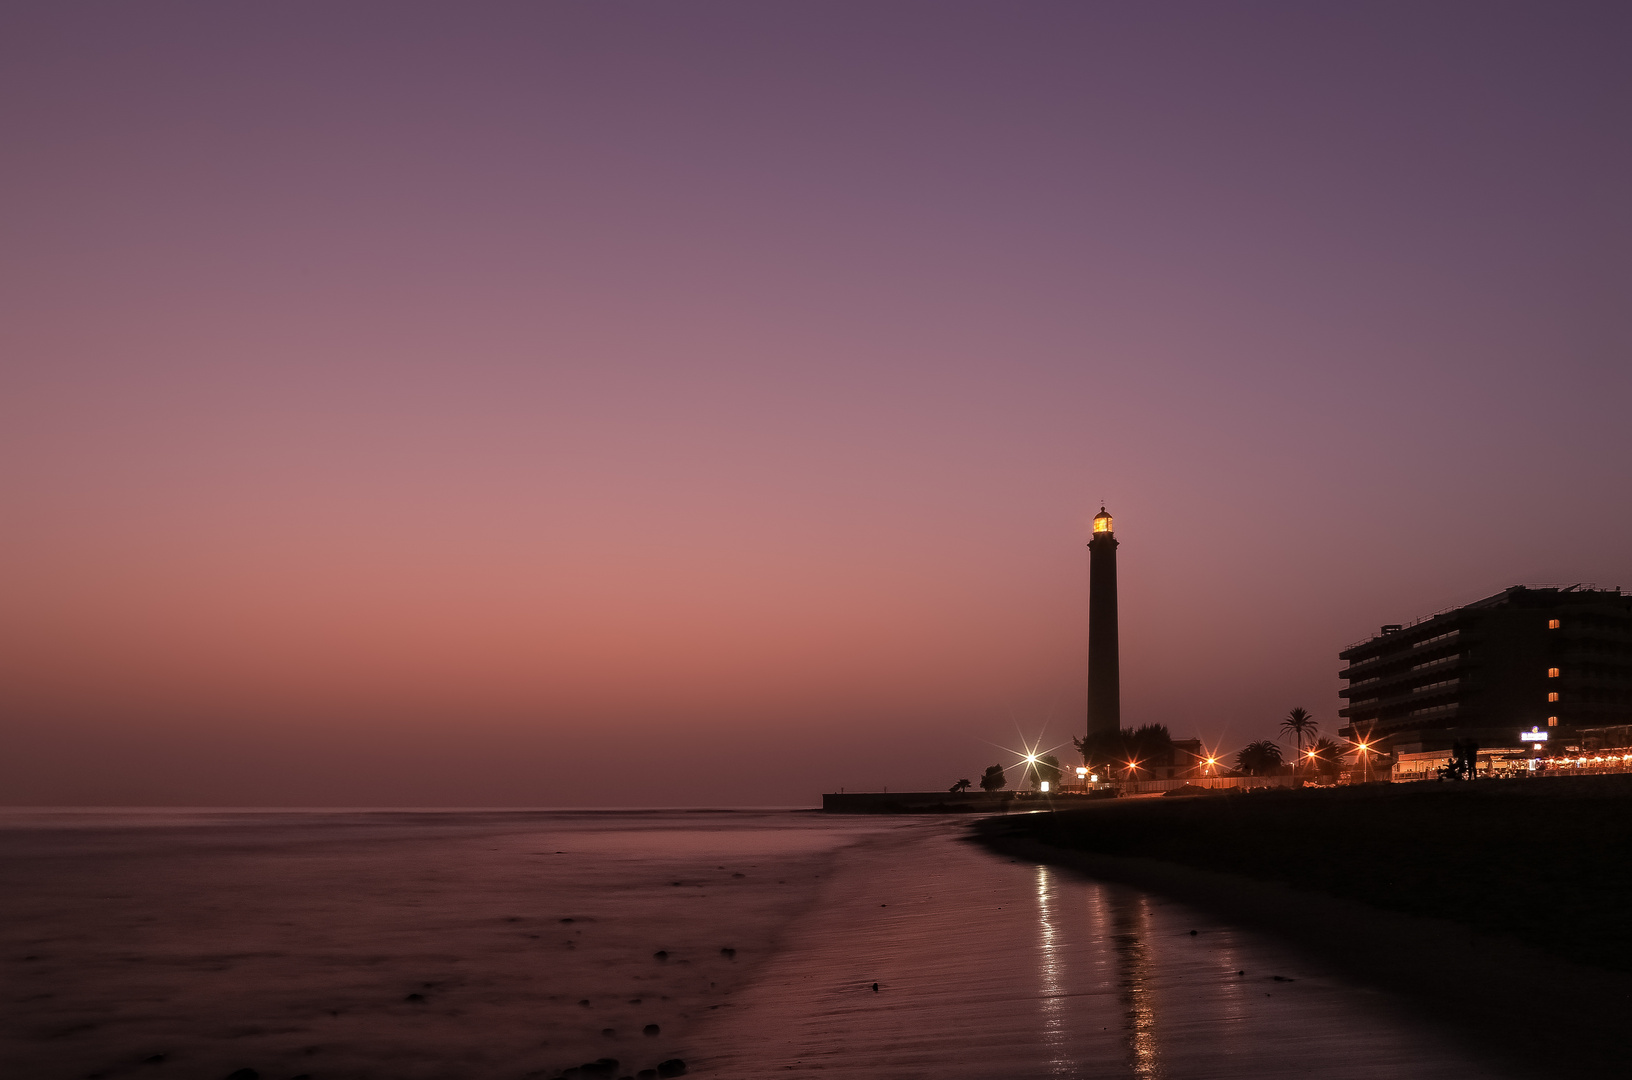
(516,944)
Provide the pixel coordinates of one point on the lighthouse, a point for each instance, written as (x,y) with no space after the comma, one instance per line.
(1104,669)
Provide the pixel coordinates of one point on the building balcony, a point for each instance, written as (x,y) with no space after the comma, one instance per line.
(1398,704)
(1456,665)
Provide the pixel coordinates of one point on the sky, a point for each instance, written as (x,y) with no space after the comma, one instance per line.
(706,403)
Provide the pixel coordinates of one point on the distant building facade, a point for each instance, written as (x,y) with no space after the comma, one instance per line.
(1555,659)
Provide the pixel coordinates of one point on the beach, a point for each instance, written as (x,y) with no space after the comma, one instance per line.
(1495,908)
(530,944)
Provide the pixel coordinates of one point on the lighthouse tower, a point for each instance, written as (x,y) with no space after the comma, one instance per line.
(1104,668)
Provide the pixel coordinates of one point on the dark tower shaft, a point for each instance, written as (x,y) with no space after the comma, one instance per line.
(1104,666)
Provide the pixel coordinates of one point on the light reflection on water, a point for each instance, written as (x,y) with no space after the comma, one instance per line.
(1052,997)
(1129,932)
(926,956)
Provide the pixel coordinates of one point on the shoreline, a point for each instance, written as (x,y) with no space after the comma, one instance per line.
(1518,1005)
(927,955)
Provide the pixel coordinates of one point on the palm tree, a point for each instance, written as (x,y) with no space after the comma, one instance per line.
(1301,725)
(1326,756)
(1260,758)
(961,785)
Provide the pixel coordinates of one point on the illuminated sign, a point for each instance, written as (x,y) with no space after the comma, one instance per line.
(1533,735)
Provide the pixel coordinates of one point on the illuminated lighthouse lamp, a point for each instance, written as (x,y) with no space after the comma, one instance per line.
(1102,522)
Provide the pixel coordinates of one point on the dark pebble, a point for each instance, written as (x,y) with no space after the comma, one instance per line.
(646,1074)
(729,954)
(661,954)
(156,1059)
(1192,933)
(584,1003)
(566,920)
(739,875)
(875,988)
(243,1074)
(610,1033)
(414,997)
(651,1029)
(674,883)
(1284,978)
(1240,972)
(671,1067)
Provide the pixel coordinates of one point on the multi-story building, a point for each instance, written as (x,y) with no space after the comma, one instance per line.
(1555,659)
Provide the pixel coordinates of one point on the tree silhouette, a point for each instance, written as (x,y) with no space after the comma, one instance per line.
(1260,758)
(1045,769)
(1300,725)
(1148,745)
(1328,757)
(1133,748)
(961,785)
(993,779)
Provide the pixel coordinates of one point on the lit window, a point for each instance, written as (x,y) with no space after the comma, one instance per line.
(1552,624)
(1552,673)
(1553,696)
(1552,721)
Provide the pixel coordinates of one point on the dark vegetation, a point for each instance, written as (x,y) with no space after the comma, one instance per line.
(1328,758)
(1300,725)
(1149,742)
(1547,861)
(1261,758)
(993,779)
(1045,769)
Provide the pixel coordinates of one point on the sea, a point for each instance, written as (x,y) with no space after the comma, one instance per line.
(476,944)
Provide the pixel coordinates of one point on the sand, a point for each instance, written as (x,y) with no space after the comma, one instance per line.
(1012,967)
(1344,878)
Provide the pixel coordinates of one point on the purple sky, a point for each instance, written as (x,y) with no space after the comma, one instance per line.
(706,403)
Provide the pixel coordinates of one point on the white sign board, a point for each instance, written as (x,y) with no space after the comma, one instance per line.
(1532,736)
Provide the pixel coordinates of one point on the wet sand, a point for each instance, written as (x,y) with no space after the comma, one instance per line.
(429,946)
(1475,903)
(992,967)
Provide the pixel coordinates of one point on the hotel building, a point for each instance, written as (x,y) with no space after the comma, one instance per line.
(1555,659)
